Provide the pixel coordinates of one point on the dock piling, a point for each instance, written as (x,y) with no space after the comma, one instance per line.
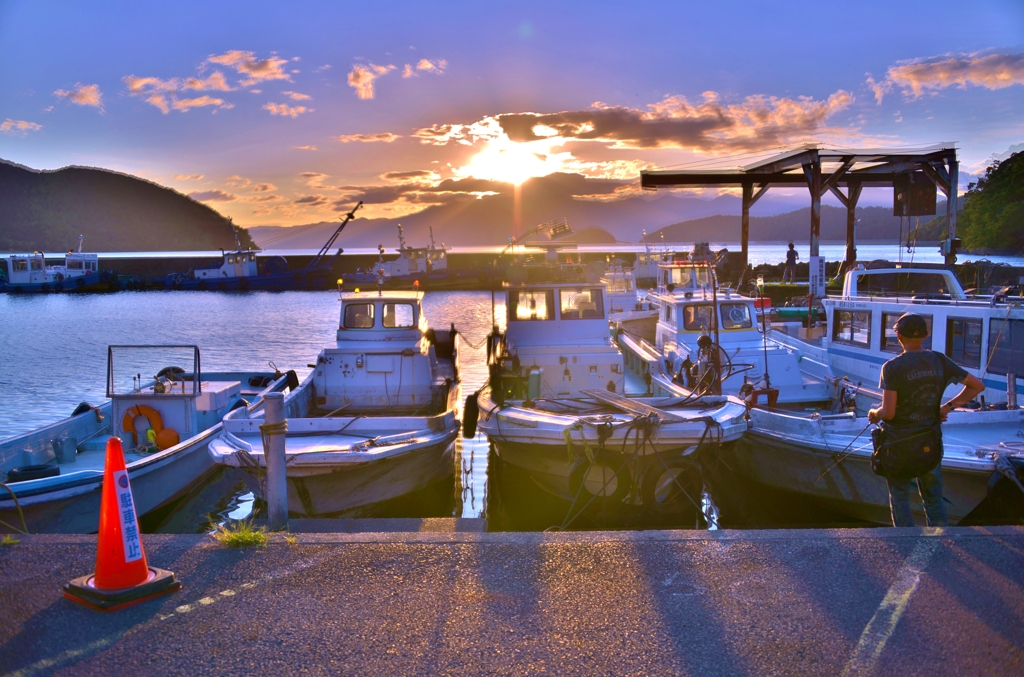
(277,478)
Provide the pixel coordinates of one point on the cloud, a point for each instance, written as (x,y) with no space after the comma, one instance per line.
(160,101)
(386,137)
(286,110)
(361,78)
(83,95)
(255,70)
(262,198)
(189,177)
(314,179)
(185,105)
(415,175)
(931,74)
(140,85)
(215,81)
(19,127)
(213,196)
(758,121)
(437,67)
(408,72)
(311,200)
(263,188)
(305,147)
(236,181)
(295,96)
(325,67)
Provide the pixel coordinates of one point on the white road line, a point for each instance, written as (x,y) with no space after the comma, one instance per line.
(882,624)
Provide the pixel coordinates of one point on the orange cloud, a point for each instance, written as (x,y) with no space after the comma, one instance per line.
(263,188)
(286,110)
(236,181)
(295,96)
(213,196)
(215,81)
(83,95)
(160,101)
(189,177)
(20,127)
(305,147)
(138,85)
(314,179)
(386,137)
(256,70)
(361,78)
(914,78)
(185,105)
(437,67)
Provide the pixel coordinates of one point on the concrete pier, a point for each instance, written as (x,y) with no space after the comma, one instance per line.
(449,599)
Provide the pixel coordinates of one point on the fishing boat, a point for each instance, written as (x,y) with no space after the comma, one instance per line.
(79,272)
(249,270)
(560,406)
(374,420)
(414,264)
(53,475)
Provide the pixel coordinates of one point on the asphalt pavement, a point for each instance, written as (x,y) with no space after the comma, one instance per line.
(425,602)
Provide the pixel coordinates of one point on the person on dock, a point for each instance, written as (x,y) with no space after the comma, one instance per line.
(790,272)
(912,384)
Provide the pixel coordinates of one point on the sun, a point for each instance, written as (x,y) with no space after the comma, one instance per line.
(507,161)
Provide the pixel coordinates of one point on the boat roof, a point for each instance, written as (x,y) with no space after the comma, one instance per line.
(374,295)
(549,285)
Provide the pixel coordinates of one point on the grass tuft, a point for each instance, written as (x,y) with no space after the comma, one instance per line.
(291,539)
(10,540)
(241,534)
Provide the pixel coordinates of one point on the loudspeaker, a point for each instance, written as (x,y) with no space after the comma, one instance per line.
(913,194)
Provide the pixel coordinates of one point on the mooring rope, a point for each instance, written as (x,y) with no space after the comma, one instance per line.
(17,505)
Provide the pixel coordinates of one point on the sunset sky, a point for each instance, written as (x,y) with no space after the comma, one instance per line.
(287,113)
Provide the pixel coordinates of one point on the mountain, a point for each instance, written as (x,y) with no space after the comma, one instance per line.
(47,210)
(488,220)
(874,224)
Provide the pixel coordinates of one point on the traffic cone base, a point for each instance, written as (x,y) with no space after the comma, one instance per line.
(83,591)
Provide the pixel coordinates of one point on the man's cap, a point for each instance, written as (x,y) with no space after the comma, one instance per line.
(911,326)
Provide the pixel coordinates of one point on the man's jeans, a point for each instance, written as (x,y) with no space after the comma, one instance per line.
(930,486)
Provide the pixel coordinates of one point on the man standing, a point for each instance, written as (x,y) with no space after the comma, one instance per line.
(790,272)
(912,385)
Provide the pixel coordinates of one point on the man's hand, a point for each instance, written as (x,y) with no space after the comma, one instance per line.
(875,415)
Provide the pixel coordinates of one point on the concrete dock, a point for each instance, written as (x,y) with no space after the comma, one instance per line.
(447,599)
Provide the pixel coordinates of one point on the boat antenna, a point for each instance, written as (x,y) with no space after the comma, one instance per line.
(401,237)
(234,231)
(715,356)
(81,238)
(316,260)
(764,329)
(432,238)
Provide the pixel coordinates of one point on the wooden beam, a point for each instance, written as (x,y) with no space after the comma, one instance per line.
(941,181)
(837,174)
(748,190)
(851,225)
(842,198)
(761,190)
(813,173)
(791,162)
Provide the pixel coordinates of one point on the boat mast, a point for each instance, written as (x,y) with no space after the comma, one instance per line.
(330,241)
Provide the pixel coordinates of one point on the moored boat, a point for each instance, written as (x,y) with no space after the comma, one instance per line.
(374,420)
(54,474)
(560,406)
(79,272)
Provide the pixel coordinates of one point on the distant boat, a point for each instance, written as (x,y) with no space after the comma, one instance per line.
(414,264)
(54,474)
(243,270)
(28,273)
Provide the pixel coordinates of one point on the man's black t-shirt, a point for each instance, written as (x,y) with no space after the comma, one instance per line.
(791,257)
(919,379)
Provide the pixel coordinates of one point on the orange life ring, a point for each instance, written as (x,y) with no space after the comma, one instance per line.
(156,422)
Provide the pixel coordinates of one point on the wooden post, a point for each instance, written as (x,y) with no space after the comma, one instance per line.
(748,191)
(853,194)
(274,455)
(951,207)
(814,183)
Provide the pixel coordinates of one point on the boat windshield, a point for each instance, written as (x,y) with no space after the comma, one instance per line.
(736,316)
(359,316)
(881,284)
(697,317)
(399,315)
(532,305)
(581,304)
(685,277)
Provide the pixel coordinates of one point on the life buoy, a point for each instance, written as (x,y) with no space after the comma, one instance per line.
(222,285)
(585,478)
(202,284)
(80,282)
(104,276)
(243,284)
(45,286)
(470,415)
(59,286)
(670,489)
(156,421)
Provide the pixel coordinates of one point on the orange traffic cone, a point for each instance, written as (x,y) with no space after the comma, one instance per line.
(122,577)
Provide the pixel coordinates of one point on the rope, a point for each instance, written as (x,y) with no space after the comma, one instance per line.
(842,454)
(14,497)
(470,343)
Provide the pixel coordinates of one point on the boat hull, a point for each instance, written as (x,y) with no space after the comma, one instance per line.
(101,281)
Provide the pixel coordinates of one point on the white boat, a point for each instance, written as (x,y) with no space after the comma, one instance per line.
(414,264)
(560,406)
(54,474)
(374,420)
(983,334)
(80,272)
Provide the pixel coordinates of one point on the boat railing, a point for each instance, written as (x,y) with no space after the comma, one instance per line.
(978,301)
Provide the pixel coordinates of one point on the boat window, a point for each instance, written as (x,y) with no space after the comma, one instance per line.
(852,327)
(73,265)
(399,315)
(963,341)
(37,264)
(736,316)
(252,257)
(532,305)
(685,277)
(359,316)
(1006,347)
(697,317)
(668,313)
(20,265)
(582,304)
(892,284)
(890,343)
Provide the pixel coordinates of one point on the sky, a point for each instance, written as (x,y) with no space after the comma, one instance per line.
(288,113)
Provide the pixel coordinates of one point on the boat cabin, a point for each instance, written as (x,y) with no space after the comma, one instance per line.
(684,277)
(983,334)
(26,268)
(241,263)
(417,260)
(385,356)
(79,263)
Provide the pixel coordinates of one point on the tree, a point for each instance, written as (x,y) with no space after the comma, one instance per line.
(993,216)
